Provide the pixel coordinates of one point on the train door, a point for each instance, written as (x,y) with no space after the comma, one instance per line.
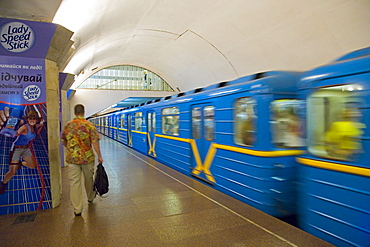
(129,128)
(106,126)
(202,131)
(151,124)
(121,128)
(110,127)
(117,125)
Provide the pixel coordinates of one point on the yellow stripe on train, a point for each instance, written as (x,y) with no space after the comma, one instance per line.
(335,166)
(205,167)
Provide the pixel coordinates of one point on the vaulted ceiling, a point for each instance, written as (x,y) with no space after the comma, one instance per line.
(195,43)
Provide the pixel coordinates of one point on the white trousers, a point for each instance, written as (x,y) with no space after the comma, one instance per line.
(75,173)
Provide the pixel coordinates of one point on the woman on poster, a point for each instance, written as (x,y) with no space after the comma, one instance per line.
(20,148)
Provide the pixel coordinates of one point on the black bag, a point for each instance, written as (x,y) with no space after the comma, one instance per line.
(101,183)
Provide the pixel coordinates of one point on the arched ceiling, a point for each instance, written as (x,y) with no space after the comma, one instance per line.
(195,43)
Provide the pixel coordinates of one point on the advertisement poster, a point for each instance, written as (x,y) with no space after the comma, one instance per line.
(24,162)
(25,38)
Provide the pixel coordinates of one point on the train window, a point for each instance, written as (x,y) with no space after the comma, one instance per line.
(287,127)
(151,121)
(122,121)
(245,118)
(138,121)
(149,114)
(170,120)
(334,122)
(209,122)
(196,122)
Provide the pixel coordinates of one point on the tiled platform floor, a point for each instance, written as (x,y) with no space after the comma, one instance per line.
(150,205)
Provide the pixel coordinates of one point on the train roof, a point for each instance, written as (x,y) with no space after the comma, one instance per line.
(355,54)
(356,62)
(263,82)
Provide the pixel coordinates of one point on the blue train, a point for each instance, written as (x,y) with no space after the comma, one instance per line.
(334,173)
(286,143)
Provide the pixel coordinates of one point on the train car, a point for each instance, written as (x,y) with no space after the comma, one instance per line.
(240,137)
(334,174)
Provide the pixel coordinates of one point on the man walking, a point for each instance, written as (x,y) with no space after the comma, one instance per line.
(80,137)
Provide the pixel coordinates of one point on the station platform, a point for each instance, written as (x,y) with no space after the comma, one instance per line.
(150,204)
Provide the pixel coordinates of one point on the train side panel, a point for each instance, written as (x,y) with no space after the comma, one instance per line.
(174,153)
(334,206)
(258,175)
(213,141)
(334,176)
(173,149)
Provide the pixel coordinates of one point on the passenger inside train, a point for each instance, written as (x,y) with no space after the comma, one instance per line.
(334,119)
(342,139)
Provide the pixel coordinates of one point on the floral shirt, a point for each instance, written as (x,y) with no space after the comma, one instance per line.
(77,137)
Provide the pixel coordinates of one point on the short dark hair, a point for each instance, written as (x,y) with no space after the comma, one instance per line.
(79,109)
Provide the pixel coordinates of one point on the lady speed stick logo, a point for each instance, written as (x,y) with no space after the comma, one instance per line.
(16,37)
(31,92)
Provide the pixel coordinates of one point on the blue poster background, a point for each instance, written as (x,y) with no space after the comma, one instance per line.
(22,81)
(23,87)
